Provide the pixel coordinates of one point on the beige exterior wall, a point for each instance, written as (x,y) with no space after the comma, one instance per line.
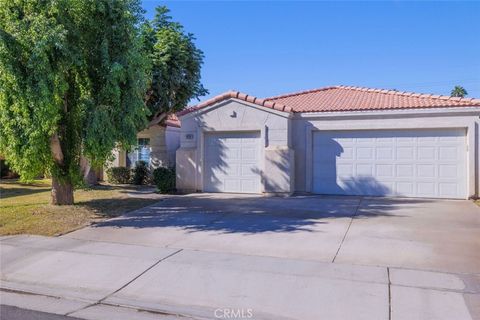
(286,157)
(163,145)
(277,161)
(172,143)
(158,145)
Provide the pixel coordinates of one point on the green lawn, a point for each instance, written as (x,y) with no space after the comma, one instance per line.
(25,208)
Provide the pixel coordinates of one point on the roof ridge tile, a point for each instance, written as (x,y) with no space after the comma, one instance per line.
(408,93)
(298,93)
(240,96)
(342,98)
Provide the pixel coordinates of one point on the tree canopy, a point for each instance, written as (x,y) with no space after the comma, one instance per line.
(175,64)
(458,91)
(72,82)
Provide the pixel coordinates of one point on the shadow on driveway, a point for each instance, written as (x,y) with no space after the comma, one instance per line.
(253,214)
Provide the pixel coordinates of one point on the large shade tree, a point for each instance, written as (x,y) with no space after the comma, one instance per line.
(175,64)
(72,84)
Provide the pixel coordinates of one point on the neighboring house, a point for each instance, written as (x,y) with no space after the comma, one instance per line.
(336,140)
(156,145)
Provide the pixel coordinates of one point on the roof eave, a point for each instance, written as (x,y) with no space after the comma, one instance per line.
(464,110)
(238,96)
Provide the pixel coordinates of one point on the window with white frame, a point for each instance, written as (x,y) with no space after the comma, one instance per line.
(140,153)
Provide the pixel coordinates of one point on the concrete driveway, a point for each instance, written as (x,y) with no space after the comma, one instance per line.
(409,233)
(305,257)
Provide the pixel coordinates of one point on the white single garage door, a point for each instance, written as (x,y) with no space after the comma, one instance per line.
(232,162)
(411,163)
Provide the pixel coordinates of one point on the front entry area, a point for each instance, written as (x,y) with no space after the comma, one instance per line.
(412,163)
(232,162)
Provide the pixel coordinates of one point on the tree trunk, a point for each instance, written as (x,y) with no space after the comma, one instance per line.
(62,192)
(90,174)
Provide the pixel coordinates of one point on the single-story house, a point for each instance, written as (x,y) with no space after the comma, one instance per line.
(337,140)
(156,145)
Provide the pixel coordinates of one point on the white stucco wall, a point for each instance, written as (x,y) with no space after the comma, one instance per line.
(303,126)
(237,116)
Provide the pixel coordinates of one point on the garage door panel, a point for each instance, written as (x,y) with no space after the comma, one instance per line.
(385,153)
(425,188)
(230,185)
(364,153)
(384,171)
(426,171)
(363,186)
(448,189)
(426,140)
(426,153)
(344,171)
(247,170)
(415,163)
(448,171)
(247,185)
(365,141)
(249,153)
(384,140)
(405,187)
(348,153)
(405,171)
(405,153)
(449,153)
(232,162)
(404,140)
(448,138)
(233,169)
(362,169)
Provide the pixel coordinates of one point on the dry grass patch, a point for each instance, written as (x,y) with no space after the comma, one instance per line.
(25,208)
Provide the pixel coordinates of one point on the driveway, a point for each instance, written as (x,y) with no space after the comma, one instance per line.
(439,235)
(210,256)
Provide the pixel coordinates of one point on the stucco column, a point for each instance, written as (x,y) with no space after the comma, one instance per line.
(278,175)
(186,159)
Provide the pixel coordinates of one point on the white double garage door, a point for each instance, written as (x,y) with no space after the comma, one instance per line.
(410,163)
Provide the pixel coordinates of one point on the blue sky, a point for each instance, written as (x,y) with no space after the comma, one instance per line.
(270,48)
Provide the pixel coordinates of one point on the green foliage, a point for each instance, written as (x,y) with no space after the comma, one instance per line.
(71,69)
(175,64)
(458,91)
(119,175)
(140,173)
(164,179)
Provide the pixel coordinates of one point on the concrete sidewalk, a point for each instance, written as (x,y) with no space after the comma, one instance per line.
(102,280)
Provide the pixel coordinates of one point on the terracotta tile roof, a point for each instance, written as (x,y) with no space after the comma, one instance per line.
(172,121)
(345,98)
(240,96)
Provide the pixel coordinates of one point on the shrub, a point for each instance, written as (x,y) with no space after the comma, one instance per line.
(118,175)
(6,172)
(164,179)
(140,173)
